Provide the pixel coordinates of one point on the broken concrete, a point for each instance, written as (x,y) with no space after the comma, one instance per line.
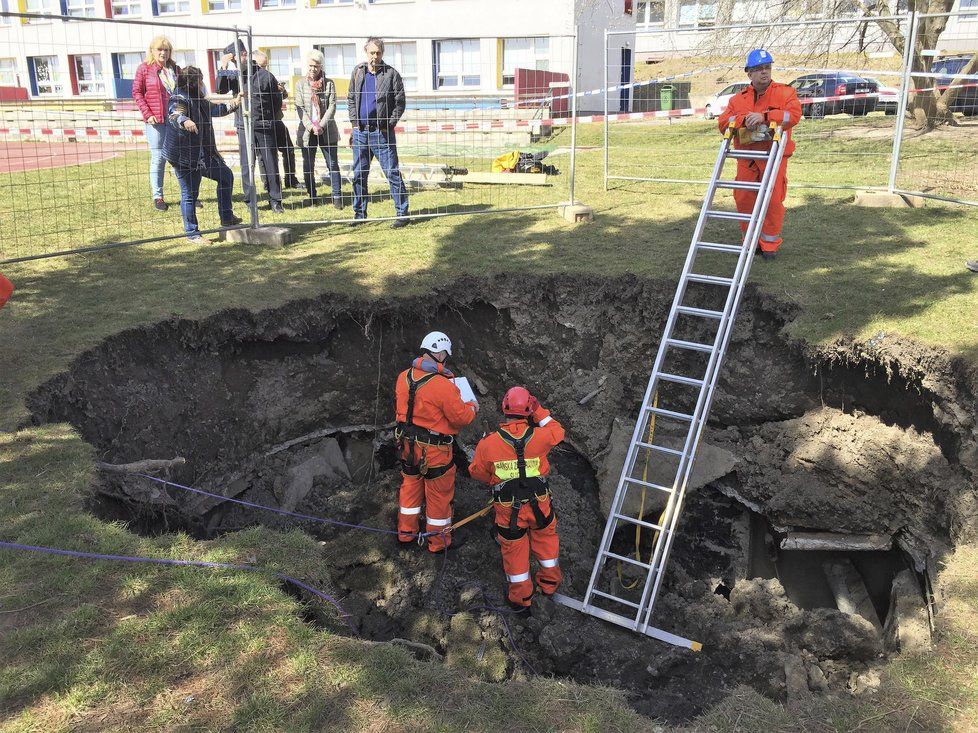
(850,592)
(907,625)
(814,541)
(796,682)
(267,236)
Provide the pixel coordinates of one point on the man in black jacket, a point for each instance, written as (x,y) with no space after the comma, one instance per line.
(266,99)
(376,102)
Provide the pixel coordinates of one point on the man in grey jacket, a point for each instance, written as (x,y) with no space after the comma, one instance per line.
(376,102)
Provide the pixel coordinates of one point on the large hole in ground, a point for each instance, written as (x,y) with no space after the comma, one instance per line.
(288,408)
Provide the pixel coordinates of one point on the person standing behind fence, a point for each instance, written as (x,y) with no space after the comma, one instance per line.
(283,140)
(315,103)
(762,103)
(264,99)
(376,102)
(6,290)
(155,79)
(191,149)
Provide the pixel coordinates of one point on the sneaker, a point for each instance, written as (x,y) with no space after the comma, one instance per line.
(292,183)
(276,208)
(231,221)
(337,203)
(199,204)
(972,265)
(398,223)
(196,239)
(160,205)
(357,220)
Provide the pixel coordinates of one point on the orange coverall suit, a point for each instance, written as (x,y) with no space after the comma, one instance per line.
(773,103)
(530,525)
(438,415)
(6,288)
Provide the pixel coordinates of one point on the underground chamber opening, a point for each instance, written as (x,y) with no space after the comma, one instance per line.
(292,408)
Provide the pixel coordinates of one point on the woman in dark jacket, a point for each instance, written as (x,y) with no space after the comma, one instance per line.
(190,148)
(315,101)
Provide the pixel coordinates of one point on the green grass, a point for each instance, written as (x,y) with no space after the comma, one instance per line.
(99,646)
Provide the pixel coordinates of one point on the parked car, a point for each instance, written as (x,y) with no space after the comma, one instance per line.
(812,86)
(721,99)
(889,99)
(966,101)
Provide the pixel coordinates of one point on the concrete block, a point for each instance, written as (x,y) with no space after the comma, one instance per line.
(268,236)
(577,213)
(907,624)
(849,589)
(880,200)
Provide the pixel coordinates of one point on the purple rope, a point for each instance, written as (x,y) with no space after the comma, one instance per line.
(184,563)
(284,512)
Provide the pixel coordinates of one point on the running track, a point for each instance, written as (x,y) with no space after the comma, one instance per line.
(23,156)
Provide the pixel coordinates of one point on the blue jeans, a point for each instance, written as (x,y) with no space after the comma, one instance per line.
(378,144)
(316,143)
(217,170)
(154,137)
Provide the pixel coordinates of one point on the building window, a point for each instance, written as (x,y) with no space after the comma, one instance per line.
(126,63)
(8,73)
(277,4)
(968,5)
(403,56)
(127,8)
(651,12)
(697,13)
(340,59)
(80,8)
(4,8)
(284,63)
(183,59)
(805,8)
(332,2)
(88,74)
(44,7)
(173,7)
(47,75)
(524,53)
(216,6)
(457,63)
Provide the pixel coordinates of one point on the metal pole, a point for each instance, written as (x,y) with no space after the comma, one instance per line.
(249,127)
(911,41)
(607,51)
(573,111)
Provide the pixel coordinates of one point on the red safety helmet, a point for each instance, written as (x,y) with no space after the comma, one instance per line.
(519,402)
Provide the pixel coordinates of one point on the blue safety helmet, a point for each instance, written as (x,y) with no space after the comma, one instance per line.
(758,57)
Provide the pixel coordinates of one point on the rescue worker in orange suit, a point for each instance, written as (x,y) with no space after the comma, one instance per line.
(759,104)
(430,412)
(513,461)
(6,289)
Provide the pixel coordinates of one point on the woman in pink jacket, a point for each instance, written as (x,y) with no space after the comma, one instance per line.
(151,88)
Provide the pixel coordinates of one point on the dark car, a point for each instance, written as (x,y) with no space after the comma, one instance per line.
(811,86)
(966,100)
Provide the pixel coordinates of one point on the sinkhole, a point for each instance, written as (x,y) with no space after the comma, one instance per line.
(292,408)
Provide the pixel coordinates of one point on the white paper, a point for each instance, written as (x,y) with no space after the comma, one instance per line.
(465,389)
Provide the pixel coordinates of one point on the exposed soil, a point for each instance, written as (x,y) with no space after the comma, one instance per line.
(874,438)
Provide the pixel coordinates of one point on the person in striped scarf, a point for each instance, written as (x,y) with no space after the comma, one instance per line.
(315,103)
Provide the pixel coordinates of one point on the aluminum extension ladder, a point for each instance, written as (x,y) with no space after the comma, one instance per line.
(679,394)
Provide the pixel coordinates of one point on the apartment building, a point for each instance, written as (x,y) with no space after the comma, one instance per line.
(443,48)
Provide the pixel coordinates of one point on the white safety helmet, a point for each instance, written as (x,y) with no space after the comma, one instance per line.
(437,341)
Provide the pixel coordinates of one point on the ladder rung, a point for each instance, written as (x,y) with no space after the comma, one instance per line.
(717,247)
(680,379)
(732,215)
(630,560)
(709,279)
(740,185)
(610,597)
(660,448)
(661,412)
(641,522)
(690,345)
(748,154)
(687,310)
(660,487)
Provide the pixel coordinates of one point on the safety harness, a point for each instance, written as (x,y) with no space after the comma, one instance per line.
(408,435)
(521,489)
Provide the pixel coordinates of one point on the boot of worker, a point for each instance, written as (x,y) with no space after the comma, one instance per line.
(455,540)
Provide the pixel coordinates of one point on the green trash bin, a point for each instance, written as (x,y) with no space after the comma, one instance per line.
(666,96)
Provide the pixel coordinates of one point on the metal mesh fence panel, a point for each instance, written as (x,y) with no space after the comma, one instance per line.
(81,131)
(938,151)
(847,72)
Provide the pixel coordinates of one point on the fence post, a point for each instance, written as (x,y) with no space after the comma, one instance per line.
(606,129)
(911,41)
(249,128)
(573,113)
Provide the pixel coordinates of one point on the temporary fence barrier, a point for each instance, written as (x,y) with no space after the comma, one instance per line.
(77,171)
